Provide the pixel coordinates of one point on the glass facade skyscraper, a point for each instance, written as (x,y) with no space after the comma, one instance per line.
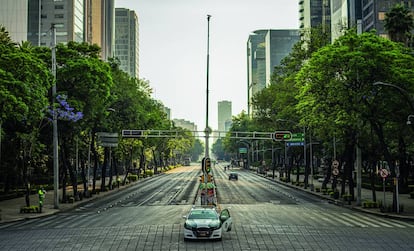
(13,15)
(67,16)
(265,50)
(224,115)
(127,40)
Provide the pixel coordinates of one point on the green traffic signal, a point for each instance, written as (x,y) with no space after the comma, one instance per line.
(207,165)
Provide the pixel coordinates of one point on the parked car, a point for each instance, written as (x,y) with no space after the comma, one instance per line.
(206,223)
(233,176)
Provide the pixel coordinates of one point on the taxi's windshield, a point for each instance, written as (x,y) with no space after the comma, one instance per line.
(202,214)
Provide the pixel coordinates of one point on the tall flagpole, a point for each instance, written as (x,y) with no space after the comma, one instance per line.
(207,130)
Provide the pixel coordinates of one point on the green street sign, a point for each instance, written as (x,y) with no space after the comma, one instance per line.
(242,150)
(297,137)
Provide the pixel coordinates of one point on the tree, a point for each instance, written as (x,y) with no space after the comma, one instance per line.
(398,23)
(340,98)
(196,150)
(24,84)
(5,39)
(218,150)
(277,102)
(86,81)
(240,123)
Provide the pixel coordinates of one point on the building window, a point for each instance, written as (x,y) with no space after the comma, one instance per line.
(59,16)
(59,7)
(381,16)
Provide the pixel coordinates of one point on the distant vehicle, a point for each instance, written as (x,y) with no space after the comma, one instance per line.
(187,161)
(261,170)
(233,176)
(206,223)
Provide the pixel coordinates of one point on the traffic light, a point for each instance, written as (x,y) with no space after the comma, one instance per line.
(202,178)
(282,135)
(207,165)
(209,178)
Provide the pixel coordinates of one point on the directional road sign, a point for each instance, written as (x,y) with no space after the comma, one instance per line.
(282,135)
(107,139)
(296,137)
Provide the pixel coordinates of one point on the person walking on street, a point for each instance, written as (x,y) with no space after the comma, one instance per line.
(41,193)
(118,181)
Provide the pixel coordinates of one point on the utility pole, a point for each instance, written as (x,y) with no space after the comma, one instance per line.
(207,130)
(54,122)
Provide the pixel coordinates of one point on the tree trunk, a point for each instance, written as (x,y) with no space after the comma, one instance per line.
(142,161)
(378,129)
(64,179)
(328,177)
(84,179)
(111,168)
(373,175)
(95,163)
(26,184)
(103,173)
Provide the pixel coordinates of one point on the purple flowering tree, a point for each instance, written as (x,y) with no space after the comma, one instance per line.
(64,111)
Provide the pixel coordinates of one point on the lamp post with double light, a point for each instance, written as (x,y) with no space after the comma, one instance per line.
(409,122)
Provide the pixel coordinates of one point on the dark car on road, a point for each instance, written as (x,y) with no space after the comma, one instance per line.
(233,176)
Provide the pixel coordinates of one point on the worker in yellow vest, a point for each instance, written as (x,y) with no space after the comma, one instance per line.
(41,193)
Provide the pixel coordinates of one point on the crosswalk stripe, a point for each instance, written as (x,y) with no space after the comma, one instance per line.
(325,219)
(385,222)
(333,219)
(359,220)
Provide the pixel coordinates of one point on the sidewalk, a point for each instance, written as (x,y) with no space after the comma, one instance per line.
(10,209)
(404,200)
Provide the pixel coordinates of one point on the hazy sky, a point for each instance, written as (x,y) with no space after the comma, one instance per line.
(173,50)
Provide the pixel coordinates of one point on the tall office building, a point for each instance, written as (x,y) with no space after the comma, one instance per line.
(100,25)
(265,50)
(13,15)
(167,112)
(344,15)
(315,13)
(89,21)
(127,40)
(185,124)
(373,13)
(67,16)
(224,115)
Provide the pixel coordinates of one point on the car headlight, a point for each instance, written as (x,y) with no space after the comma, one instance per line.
(190,225)
(215,225)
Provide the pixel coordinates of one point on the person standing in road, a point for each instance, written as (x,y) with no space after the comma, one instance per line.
(41,193)
(118,181)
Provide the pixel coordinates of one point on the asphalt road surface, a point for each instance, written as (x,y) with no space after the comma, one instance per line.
(266,216)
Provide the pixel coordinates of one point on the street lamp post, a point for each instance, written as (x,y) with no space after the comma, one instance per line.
(54,123)
(408,119)
(401,90)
